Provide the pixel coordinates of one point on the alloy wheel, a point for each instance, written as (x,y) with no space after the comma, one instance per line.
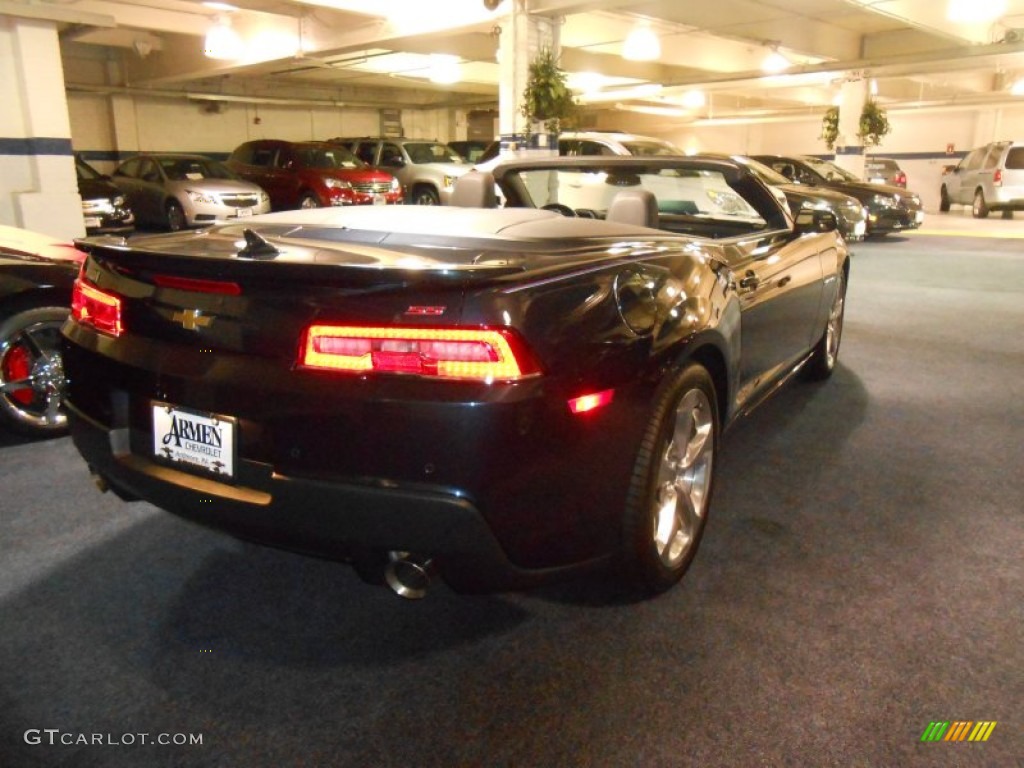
(32,375)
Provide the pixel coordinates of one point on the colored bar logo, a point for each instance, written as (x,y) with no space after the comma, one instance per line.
(958,730)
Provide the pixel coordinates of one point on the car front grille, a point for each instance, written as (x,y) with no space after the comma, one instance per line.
(378,187)
(239,201)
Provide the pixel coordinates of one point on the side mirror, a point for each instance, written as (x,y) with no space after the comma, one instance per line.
(812,220)
(394,162)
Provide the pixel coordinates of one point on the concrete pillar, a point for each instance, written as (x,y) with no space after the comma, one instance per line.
(38,189)
(849,149)
(522,36)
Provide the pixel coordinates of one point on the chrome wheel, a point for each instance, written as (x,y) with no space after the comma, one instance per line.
(175,217)
(980,207)
(684,479)
(308,202)
(425,196)
(834,329)
(32,371)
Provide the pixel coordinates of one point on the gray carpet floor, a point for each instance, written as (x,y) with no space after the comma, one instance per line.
(861,577)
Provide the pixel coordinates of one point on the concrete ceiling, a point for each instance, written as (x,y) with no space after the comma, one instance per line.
(375,52)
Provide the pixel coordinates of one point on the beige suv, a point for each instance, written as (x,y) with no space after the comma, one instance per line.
(989,178)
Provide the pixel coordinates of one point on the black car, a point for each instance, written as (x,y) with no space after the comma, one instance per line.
(36,277)
(504,395)
(104,206)
(890,209)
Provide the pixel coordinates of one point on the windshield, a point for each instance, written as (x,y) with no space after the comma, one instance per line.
(651,148)
(691,198)
(86,172)
(332,157)
(762,171)
(193,169)
(432,152)
(828,170)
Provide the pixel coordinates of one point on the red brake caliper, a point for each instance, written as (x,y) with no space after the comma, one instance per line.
(18,365)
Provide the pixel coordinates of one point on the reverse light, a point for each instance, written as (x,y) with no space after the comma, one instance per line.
(456,353)
(98,309)
(591,402)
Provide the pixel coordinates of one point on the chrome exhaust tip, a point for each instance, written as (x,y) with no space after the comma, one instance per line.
(408,574)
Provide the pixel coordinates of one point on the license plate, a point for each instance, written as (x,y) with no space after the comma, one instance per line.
(196,440)
(379,200)
(919,216)
(243,212)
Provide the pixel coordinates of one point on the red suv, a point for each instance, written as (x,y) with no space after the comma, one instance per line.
(312,174)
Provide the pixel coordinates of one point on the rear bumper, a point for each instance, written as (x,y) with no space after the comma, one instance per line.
(319,517)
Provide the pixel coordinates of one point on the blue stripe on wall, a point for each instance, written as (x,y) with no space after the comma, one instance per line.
(113,156)
(35,146)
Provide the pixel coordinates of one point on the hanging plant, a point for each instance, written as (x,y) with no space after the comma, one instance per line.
(830,127)
(874,124)
(547,98)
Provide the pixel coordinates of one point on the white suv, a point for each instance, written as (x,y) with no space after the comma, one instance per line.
(990,178)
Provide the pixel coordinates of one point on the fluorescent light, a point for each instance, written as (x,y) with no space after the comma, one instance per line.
(1017,89)
(641,44)
(975,11)
(220,7)
(694,99)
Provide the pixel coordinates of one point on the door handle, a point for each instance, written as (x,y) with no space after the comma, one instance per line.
(782,282)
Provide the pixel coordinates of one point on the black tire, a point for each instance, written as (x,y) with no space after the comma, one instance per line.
(424,195)
(669,494)
(979,209)
(175,216)
(826,351)
(308,200)
(32,372)
(944,201)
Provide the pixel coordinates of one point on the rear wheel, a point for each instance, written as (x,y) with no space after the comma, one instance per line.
(826,352)
(980,208)
(32,372)
(944,201)
(670,491)
(175,216)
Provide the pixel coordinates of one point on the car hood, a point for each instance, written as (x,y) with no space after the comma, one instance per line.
(216,185)
(449,169)
(803,192)
(98,189)
(865,190)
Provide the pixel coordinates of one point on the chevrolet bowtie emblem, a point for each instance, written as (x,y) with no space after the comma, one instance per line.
(191,319)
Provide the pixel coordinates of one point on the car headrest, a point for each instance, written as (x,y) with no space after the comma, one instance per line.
(474,190)
(634,206)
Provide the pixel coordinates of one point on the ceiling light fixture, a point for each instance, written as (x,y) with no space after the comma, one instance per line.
(444,69)
(975,11)
(774,61)
(641,44)
(1017,89)
(694,99)
(222,42)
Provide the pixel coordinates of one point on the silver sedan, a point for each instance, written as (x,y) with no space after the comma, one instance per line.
(179,191)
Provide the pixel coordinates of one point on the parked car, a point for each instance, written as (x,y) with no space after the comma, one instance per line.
(312,174)
(884,170)
(989,178)
(37,273)
(504,396)
(469,150)
(890,209)
(606,143)
(851,216)
(427,170)
(179,191)
(104,207)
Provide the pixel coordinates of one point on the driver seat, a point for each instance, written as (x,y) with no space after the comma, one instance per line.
(638,207)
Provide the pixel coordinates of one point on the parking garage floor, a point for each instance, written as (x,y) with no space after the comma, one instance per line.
(860,579)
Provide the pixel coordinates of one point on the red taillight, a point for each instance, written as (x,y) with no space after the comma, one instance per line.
(997,177)
(96,308)
(901,179)
(197,285)
(592,401)
(455,353)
